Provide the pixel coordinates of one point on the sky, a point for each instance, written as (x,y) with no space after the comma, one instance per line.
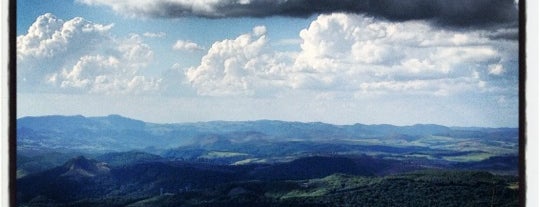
(400,62)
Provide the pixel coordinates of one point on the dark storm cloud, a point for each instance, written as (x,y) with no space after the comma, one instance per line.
(456,13)
(452,13)
(504,34)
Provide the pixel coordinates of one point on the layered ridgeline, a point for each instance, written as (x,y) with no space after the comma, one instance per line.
(114,160)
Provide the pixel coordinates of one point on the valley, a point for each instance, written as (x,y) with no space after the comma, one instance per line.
(118,161)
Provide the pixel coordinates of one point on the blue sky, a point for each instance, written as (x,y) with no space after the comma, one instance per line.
(187,61)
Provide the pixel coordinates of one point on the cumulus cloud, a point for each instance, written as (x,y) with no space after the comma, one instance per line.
(186,45)
(49,36)
(238,66)
(457,13)
(135,53)
(357,54)
(80,56)
(99,74)
(365,48)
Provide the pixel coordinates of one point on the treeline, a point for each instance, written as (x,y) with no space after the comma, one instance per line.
(425,188)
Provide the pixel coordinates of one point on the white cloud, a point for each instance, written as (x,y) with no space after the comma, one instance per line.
(86,72)
(416,66)
(154,35)
(49,36)
(241,66)
(100,74)
(259,30)
(135,53)
(372,55)
(186,45)
(81,56)
(333,41)
(496,69)
(346,52)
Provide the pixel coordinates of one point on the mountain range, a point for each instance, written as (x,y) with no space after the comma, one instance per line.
(117,133)
(118,161)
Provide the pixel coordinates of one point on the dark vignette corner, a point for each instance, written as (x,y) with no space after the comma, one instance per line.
(522,103)
(12,115)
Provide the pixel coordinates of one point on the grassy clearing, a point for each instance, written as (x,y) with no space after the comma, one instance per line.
(513,186)
(218,154)
(250,161)
(473,157)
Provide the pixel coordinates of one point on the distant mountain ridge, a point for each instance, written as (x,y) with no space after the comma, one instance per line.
(126,122)
(118,133)
(78,121)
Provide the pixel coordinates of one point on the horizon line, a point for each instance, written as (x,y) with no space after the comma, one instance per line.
(263,119)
